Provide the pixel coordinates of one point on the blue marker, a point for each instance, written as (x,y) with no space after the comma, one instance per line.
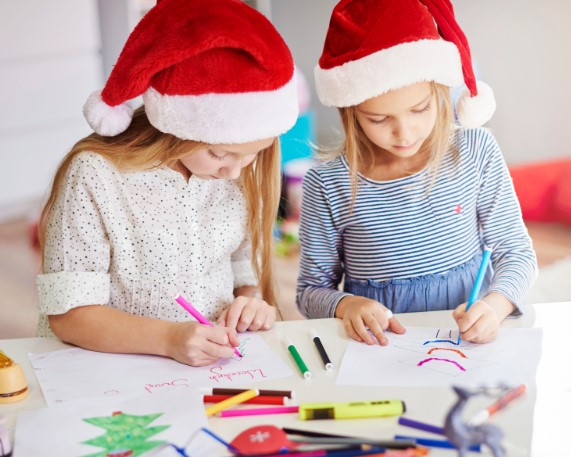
(220,440)
(479,277)
(435,443)
(479,280)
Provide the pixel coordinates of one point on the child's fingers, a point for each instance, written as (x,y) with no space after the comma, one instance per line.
(233,337)
(218,335)
(247,318)
(479,333)
(361,330)
(217,351)
(235,312)
(376,330)
(199,345)
(220,342)
(469,318)
(351,331)
(264,319)
(484,330)
(258,320)
(395,326)
(270,318)
(222,318)
(459,311)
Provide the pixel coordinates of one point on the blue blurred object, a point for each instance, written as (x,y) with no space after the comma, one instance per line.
(296,143)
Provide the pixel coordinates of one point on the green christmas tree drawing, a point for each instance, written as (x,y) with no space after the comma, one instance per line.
(126,436)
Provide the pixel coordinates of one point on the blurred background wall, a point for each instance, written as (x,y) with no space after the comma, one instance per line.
(53,54)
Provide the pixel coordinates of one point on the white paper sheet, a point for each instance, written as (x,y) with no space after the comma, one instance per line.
(62,430)
(417,359)
(72,374)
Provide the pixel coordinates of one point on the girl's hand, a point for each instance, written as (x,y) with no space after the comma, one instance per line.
(198,345)
(482,321)
(480,324)
(248,313)
(358,313)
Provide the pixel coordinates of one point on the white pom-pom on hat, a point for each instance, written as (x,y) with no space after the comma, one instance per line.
(104,119)
(475,111)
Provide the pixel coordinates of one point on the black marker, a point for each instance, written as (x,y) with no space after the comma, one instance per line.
(319,345)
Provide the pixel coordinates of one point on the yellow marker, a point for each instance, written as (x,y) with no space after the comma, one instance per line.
(232,401)
(352,410)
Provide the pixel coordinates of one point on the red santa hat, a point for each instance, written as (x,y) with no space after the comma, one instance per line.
(375,46)
(208,70)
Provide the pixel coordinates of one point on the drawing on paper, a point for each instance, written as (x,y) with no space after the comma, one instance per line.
(456,341)
(407,361)
(72,374)
(438,359)
(458,359)
(126,435)
(243,349)
(219,374)
(460,353)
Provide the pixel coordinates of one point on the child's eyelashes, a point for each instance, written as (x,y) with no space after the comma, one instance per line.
(215,156)
(423,110)
(384,119)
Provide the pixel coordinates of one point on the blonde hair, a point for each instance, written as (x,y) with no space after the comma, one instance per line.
(358,148)
(143,147)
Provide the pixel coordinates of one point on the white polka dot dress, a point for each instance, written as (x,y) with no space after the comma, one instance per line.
(133,240)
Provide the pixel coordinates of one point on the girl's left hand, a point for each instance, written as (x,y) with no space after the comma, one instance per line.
(248,313)
(480,324)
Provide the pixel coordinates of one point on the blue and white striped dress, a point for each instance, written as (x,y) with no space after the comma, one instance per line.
(414,243)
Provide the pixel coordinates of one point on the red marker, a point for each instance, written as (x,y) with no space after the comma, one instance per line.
(500,403)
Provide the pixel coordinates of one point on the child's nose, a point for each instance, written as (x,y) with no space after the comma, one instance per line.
(232,171)
(401,131)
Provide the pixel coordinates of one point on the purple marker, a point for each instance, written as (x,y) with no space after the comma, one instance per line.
(421,426)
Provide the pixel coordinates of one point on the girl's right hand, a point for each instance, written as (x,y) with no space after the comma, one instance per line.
(198,345)
(358,313)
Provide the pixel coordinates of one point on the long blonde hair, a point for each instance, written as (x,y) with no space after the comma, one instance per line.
(358,148)
(143,147)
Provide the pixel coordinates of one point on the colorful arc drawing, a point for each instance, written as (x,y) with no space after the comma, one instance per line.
(430,359)
(448,349)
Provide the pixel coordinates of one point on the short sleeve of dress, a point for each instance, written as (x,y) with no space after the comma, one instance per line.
(76,252)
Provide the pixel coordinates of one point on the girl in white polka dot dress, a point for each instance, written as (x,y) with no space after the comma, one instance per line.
(179,196)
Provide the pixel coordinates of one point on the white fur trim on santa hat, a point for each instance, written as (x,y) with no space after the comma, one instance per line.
(475,111)
(224,118)
(393,68)
(104,119)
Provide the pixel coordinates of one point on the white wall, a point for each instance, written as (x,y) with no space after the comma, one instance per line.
(49,63)
(521,50)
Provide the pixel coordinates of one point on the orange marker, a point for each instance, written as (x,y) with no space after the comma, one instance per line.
(500,403)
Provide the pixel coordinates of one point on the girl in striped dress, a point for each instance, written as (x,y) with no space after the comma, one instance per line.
(401,214)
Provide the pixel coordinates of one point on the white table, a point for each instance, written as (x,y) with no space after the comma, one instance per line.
(534,425)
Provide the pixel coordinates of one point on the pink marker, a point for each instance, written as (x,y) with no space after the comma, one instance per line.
(199,317)
(259,411)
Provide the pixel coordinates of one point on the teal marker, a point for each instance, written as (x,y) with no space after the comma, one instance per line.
(297,358)
(351,410)
(478,282)
(479,277)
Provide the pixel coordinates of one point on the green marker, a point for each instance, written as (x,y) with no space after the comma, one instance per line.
(297,358)
(351,410)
